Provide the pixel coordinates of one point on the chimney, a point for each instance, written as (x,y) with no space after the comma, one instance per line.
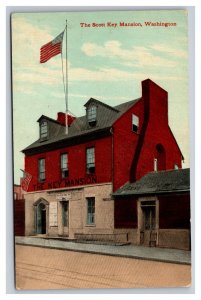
(155,101)
(61,118)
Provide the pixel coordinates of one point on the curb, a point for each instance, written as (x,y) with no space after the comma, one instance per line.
(107,254)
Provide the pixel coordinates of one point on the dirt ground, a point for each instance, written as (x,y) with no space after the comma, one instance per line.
(42,268)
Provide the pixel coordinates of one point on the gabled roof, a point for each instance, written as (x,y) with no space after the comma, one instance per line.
(158,183)
(106,116)
(43,117)
(97,102)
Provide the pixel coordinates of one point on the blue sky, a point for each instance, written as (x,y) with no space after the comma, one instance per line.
(103,62)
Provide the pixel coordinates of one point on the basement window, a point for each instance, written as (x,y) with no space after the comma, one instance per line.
(135,123)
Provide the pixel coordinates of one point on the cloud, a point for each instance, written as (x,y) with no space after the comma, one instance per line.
(96,96)
(140,56)
(26,42)
(169,50)
(54,77)
(113,74)
(29,74)
(24,90)
(47,77)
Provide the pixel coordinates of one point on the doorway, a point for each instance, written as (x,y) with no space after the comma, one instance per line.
(148,233)
(41,218)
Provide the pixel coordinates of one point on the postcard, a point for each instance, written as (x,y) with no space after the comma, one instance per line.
(101,149)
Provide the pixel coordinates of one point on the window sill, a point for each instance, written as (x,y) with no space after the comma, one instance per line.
(90,225)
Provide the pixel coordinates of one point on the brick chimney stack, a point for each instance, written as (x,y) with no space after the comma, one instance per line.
(61,118)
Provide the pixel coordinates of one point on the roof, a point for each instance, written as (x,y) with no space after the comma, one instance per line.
(97,102)
(106,116)
(157,183)
(48,119)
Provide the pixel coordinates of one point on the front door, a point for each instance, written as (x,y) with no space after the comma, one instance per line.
(41,219)
(148,222)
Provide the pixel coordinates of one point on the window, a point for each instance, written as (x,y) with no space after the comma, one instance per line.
(90,161)
(91,115)
(135,123)
(90,211)
(43,130)
(41,169)
(64,165)
(65,213)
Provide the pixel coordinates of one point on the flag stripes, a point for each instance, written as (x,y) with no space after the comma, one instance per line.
(51,49)
(25,180)
(48,51)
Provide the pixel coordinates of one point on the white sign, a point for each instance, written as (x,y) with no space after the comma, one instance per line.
(63,196)
(53,214)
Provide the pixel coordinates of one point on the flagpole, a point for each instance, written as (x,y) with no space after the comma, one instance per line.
(66,93)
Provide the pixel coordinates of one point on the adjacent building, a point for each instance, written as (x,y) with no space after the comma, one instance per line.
(156,209)
(19,210)
(77,177)
(18,193)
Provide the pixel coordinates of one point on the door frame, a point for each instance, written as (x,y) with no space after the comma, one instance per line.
(36,204)
(140,217)
(63,230)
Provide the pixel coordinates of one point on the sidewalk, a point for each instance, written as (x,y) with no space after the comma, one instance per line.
(127,251)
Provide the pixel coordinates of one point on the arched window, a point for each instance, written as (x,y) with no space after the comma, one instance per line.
(160,158)
(41,214)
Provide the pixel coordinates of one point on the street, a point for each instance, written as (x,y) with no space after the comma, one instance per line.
(42,268)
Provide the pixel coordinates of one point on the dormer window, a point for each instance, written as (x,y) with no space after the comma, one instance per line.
(91,115)
(43,130)
(135,123)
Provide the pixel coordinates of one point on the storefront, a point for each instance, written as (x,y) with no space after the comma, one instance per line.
(82,210)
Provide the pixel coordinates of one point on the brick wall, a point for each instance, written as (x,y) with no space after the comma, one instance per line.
(77,166)
(19,217)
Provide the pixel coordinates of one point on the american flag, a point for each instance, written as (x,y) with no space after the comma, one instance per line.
(51,49)
(25,180)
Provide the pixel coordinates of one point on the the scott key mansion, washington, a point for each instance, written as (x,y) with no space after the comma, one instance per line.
(117,176)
